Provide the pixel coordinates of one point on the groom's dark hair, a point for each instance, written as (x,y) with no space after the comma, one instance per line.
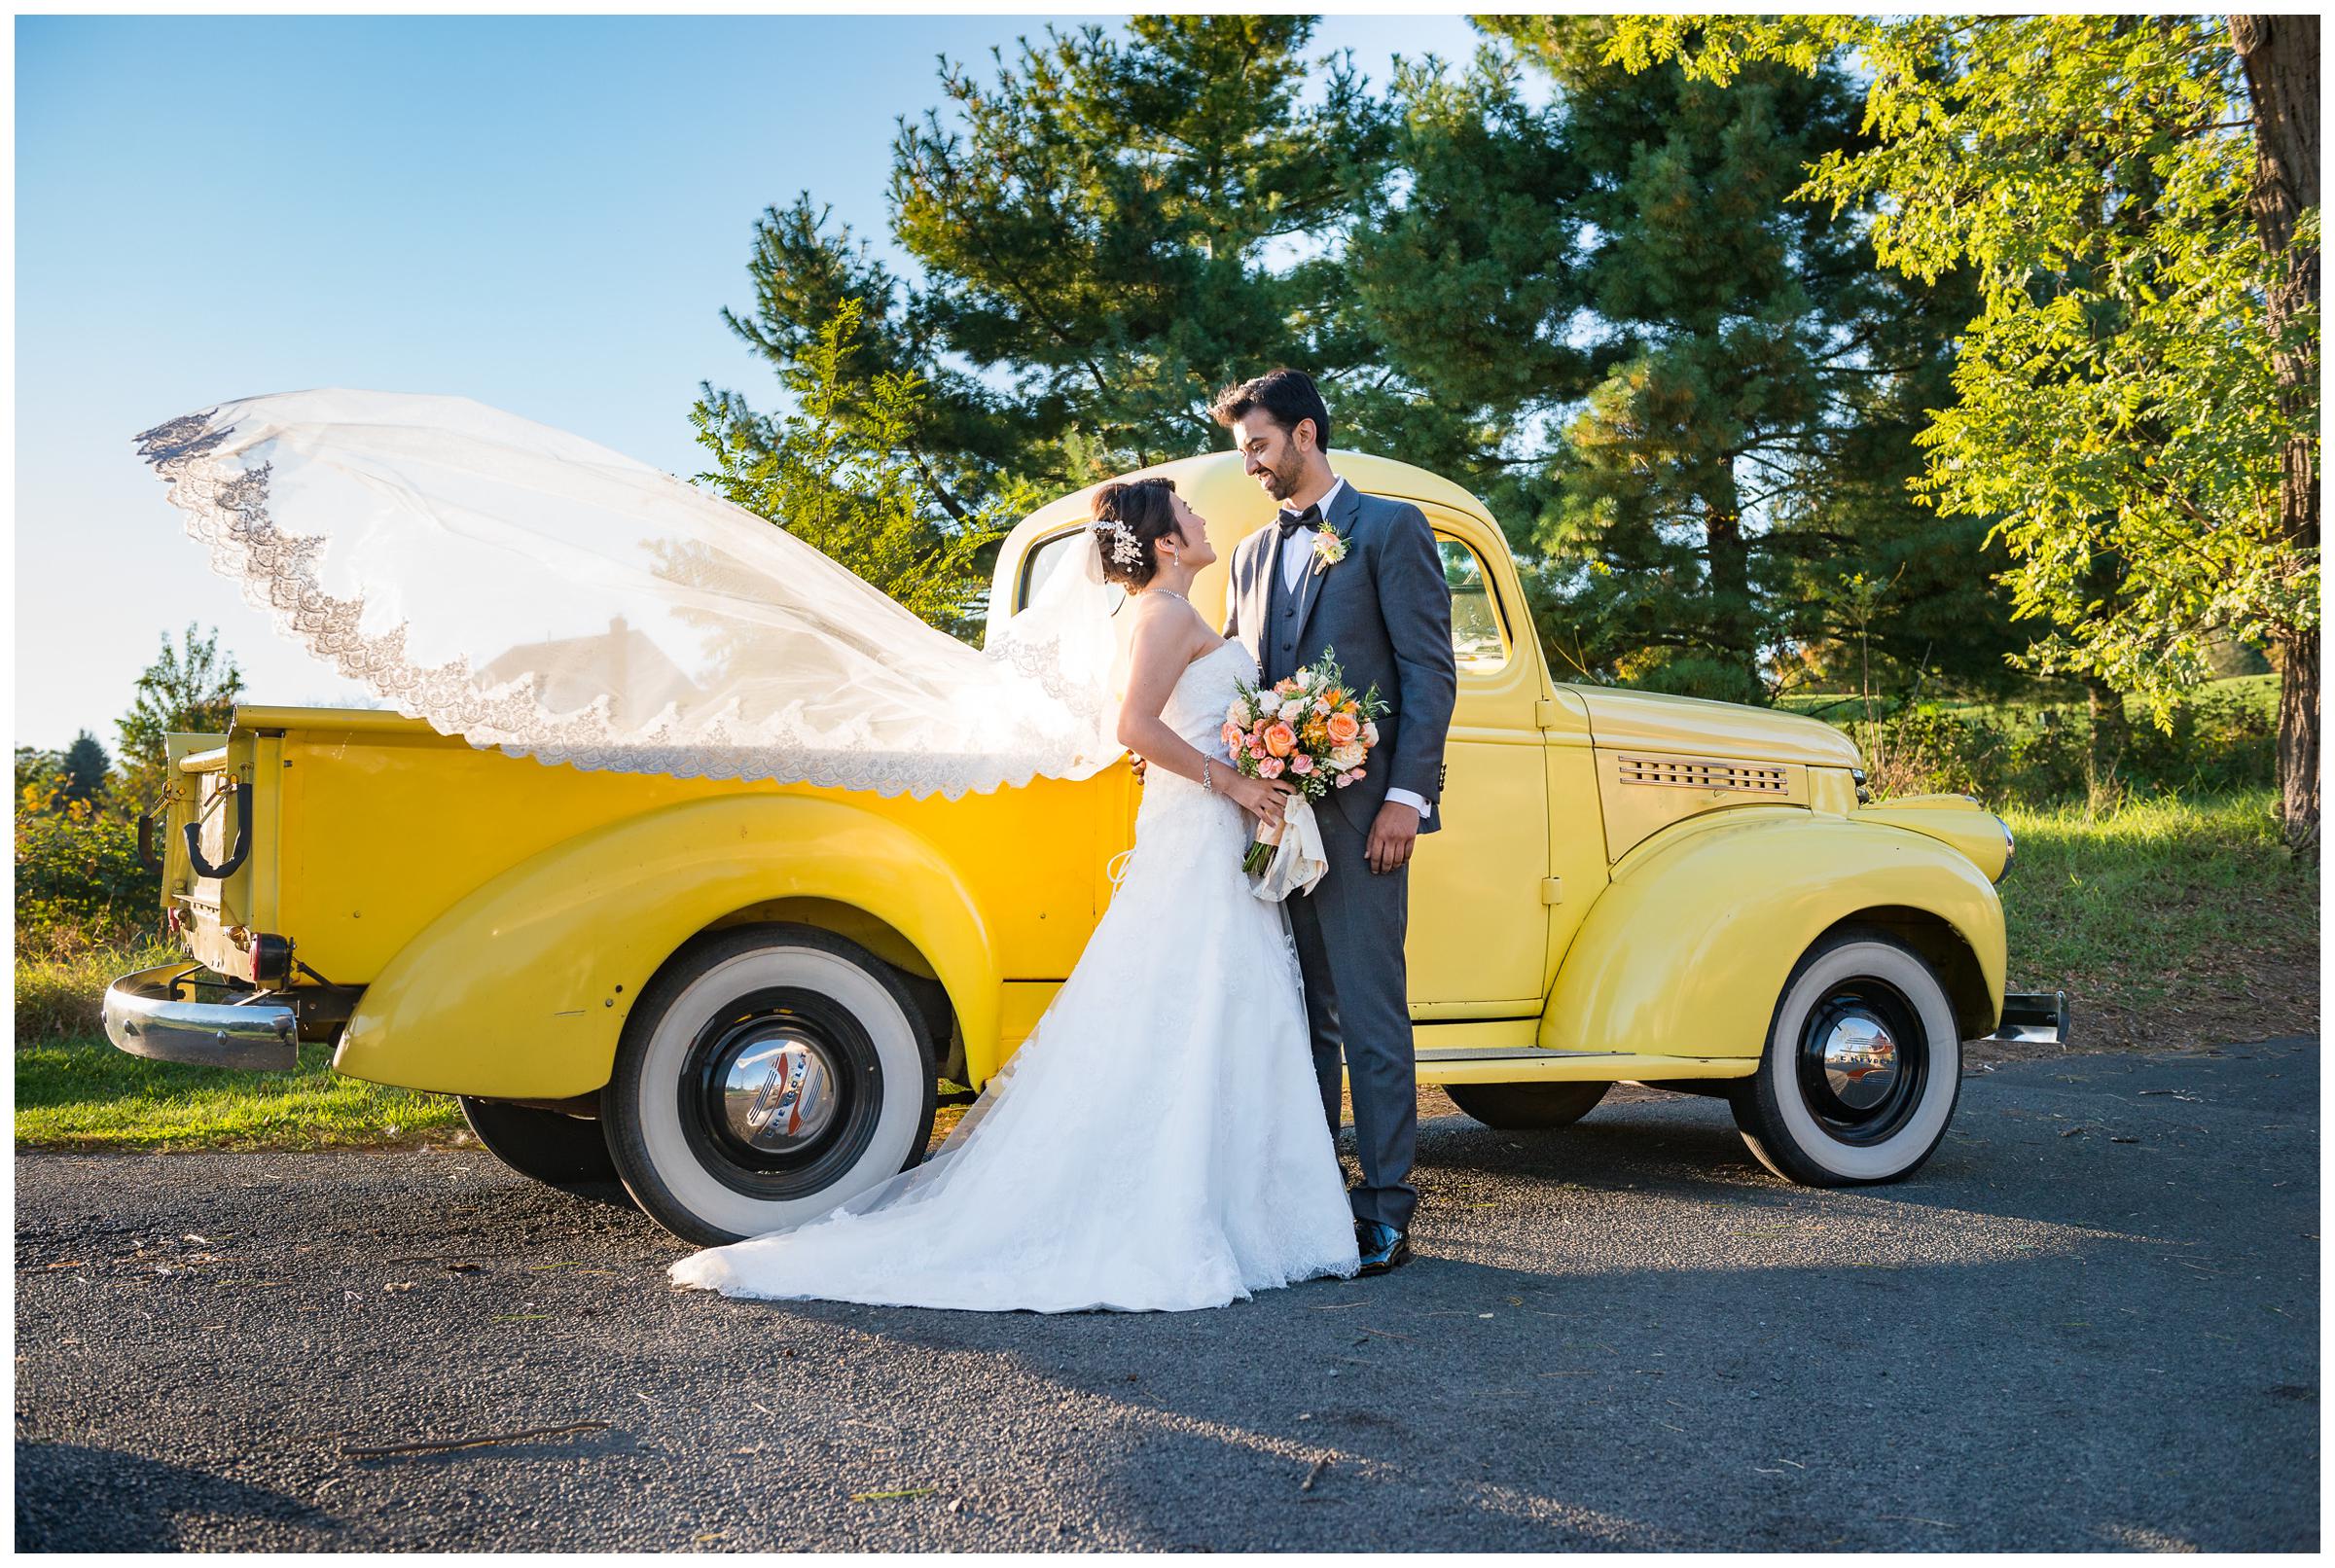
(1284,396)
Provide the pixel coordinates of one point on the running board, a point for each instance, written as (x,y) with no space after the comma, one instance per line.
(1463,1065)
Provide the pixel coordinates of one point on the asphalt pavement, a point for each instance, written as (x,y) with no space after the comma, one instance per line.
(2089,1323)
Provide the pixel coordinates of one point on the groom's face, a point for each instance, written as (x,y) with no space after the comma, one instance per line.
(1272,456)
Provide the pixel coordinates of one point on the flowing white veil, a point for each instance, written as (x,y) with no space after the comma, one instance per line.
(530,590)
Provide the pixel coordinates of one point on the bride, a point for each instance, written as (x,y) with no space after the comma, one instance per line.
(1157,1143)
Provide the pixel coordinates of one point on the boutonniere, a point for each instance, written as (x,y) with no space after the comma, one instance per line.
(1329,548)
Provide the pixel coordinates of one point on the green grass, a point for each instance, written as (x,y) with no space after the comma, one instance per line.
(2170,921)
(80,1092)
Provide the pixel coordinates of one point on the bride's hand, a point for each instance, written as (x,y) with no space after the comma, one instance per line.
(1264,799)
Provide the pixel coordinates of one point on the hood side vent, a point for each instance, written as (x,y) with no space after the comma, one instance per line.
(1756,778)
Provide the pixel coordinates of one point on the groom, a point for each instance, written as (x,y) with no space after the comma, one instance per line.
(1384,610)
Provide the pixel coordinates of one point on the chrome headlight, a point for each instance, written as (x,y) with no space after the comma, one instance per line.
(2010,849)
(1864,796)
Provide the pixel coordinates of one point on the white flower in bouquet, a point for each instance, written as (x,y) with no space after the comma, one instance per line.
(1348,756)
(1238,714)
(1370,734)
(1292,711)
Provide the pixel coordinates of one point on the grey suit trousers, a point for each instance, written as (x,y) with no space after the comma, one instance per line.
(1364,1004)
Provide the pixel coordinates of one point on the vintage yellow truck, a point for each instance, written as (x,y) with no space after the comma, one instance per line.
(743,1000)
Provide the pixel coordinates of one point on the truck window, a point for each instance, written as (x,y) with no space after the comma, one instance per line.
(1039,564)
(1044,558)
(1478,639)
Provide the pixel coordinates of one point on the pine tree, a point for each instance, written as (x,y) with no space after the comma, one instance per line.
(83,769)
(1108,231)
(1681,389)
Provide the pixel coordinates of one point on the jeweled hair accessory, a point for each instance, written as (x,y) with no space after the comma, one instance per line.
(1125,548)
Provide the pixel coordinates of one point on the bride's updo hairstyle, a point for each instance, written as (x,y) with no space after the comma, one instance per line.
(1131,516)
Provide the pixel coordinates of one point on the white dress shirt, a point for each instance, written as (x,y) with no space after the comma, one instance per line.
(1297,556)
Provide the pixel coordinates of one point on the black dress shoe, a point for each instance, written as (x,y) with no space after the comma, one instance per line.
(1382,1247)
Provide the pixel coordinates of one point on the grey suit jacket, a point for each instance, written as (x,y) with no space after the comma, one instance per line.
(1386,613)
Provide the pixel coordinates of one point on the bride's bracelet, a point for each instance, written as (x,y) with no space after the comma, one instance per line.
(1206,781)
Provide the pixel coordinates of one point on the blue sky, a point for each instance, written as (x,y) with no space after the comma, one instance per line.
(546,214)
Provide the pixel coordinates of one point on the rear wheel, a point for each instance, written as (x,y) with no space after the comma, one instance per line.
(1862,1068)
(1526,1107)
(767,1073)
(564,1151)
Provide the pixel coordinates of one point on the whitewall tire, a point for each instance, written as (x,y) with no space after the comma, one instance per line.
(767,1073)
(1862,1068)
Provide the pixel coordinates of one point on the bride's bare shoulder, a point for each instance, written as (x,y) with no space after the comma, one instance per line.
(1167,628)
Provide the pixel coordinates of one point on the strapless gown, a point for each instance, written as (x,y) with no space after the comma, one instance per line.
(1157,1143)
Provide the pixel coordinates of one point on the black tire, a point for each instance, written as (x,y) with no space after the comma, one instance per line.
(1526,1107)
(1859,1005)
(567,1152)
(766,1074)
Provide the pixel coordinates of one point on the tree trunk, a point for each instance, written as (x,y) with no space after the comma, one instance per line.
(1728,561)
(2111,735)
(2281,76)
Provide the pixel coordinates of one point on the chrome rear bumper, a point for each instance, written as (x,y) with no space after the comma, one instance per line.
(2033,1017)
(146,1017)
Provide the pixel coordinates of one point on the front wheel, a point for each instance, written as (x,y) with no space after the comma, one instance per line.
(767,1073)
(1862,1068)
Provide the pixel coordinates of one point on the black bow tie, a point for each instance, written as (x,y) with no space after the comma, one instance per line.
(1291,522)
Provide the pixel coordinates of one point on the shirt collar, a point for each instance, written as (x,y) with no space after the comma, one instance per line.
(1328,496)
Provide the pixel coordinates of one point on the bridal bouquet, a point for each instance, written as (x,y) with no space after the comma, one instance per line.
(1312,730)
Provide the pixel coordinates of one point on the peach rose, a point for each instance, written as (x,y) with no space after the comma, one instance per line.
(1344,728)
(1269,767)
(1343,779)
(1281,740)
(1232,738)
(1301,764)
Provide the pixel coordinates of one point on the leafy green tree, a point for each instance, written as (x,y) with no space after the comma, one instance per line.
(841,474)
(1106,232)
(2135,406)
(189,688)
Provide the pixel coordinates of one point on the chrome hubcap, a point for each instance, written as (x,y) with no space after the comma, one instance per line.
(778,1092)
(1859,1059)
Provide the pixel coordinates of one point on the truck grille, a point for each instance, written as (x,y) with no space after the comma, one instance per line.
(1755,778)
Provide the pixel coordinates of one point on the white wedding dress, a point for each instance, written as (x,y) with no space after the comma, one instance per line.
(1157,1143)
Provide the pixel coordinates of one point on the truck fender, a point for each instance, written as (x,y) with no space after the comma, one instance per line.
(1686,953)
(522,989)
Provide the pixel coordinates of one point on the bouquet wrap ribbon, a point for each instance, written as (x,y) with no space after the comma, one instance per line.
(1299,860)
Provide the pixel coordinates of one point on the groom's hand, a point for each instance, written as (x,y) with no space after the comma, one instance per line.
(1391,837)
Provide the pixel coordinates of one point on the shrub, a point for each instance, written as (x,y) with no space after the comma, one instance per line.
(2223,741)
(79,881)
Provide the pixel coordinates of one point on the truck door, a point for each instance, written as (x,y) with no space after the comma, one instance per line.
(1478,946)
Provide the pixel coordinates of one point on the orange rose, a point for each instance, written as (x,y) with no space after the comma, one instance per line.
(1343,727)
(1281,740)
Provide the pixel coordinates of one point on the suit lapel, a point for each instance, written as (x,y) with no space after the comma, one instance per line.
(1266,558)
(1341,521)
